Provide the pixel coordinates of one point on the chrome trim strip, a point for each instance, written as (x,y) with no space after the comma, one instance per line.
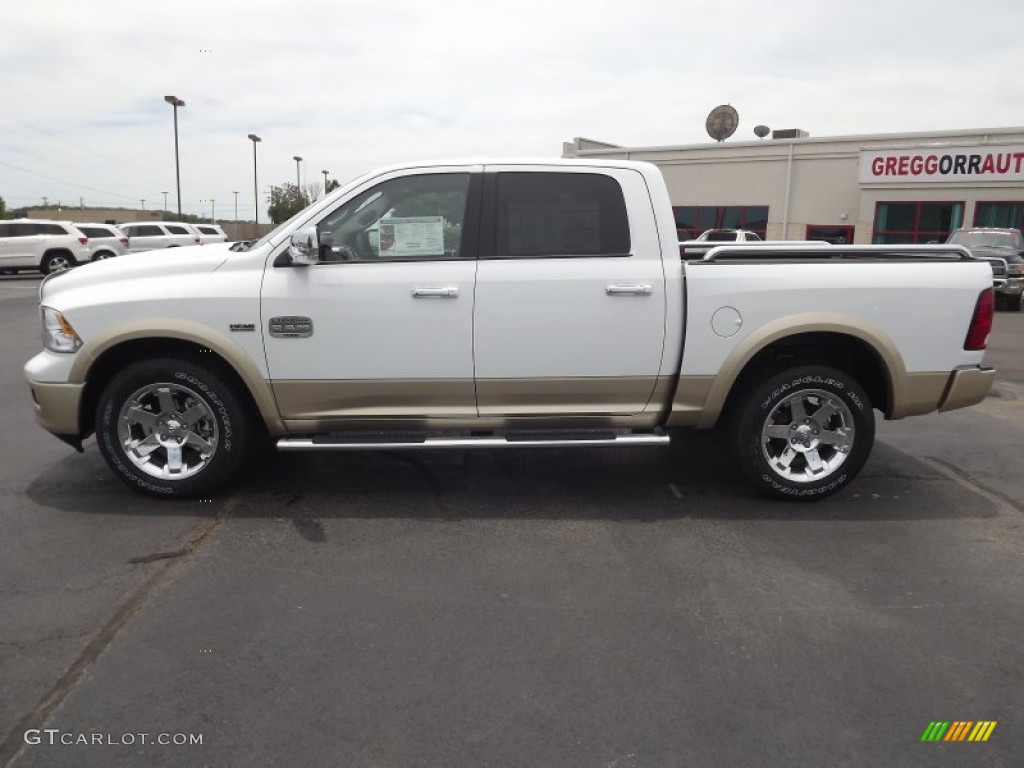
(307,443)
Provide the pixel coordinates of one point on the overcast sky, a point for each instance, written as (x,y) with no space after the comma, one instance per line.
(350,86)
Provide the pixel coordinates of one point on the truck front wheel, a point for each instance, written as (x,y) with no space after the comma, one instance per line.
(172,428)
(803,433)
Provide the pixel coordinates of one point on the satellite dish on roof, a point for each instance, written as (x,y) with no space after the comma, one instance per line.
(761,131)
(722,122)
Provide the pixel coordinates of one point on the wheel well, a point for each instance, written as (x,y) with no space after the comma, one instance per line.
(847,353)
(101,251)
(116,358)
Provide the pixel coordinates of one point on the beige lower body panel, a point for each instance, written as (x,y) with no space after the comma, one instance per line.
(578,396)
(56,407)
(967,386)
(690,401)
(440,405)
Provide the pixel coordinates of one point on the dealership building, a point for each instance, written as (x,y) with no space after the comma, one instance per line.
(878,188)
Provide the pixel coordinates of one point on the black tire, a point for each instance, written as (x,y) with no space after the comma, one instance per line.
(182,409)
(101,255)
(1015,303)
(58,261)
(778,430)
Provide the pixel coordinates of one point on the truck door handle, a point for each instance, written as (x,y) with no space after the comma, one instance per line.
(448,292)
(628,290)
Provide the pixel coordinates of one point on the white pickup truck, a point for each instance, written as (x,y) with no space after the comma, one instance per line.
(504,304)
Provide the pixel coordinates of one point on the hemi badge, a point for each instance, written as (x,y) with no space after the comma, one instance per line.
(242,326)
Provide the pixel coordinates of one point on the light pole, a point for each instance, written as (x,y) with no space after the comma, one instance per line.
(298,184)
(325,181)
(213,208)
(143,204)
(236,204)
(255,186)
(165,201)
(175,102)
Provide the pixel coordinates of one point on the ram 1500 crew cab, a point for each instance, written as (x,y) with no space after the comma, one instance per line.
(504,304)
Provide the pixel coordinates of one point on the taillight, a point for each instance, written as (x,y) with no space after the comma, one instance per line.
(124,241)
(981,322)
(83,240)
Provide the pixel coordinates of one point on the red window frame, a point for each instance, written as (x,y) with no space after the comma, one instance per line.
(980,203)
(916,234)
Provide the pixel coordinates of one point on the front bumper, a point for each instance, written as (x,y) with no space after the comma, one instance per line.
(967,386)
(1013,286)
(57,409)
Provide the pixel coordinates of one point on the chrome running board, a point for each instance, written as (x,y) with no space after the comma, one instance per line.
(385,442)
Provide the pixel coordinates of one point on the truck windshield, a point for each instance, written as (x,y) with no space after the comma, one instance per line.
(986,239)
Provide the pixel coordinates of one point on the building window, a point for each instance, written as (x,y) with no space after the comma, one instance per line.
(837,234)
(691,220)
(903,223)
(1002,215)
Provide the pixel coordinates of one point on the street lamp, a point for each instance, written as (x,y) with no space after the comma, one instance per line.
(143,204)
(298,184)
(175,102)
(325,181)
(236,204)
(255,186)
(213,217)
(165,201)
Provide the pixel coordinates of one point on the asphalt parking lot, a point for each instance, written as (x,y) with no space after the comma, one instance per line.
(614,608)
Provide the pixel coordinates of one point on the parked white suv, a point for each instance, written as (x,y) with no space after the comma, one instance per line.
(210,233)
(153,235)
(105,240)
(49,246)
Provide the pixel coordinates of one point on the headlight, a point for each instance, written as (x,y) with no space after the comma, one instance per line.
(58,335)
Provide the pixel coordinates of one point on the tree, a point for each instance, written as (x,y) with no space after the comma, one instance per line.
(332,185)
(3,208)
(285,201)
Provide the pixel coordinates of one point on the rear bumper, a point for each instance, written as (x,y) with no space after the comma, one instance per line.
(967,386)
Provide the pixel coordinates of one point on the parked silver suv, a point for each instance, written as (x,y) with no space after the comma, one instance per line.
(152,235)
(49,246)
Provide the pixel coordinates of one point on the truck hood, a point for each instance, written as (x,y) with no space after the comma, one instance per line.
(988,251)
(187,260)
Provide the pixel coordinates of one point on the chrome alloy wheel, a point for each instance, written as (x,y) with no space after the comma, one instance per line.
(808,436)
(58,264)
(168,431)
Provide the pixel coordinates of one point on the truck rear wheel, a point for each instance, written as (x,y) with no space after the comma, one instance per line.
(804,433)
(172,428)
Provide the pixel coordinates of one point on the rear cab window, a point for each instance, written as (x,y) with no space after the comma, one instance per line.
(548,214)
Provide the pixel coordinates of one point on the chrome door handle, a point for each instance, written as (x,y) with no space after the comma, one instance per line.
(448,292)
(628,290)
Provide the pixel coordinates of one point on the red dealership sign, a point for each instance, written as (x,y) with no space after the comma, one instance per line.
(942,164)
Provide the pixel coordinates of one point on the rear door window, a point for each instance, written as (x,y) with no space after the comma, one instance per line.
(145,230)
(550,215)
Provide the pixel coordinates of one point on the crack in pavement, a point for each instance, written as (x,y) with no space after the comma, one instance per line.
(14,741)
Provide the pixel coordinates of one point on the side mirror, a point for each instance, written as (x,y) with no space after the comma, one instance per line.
(304,247)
